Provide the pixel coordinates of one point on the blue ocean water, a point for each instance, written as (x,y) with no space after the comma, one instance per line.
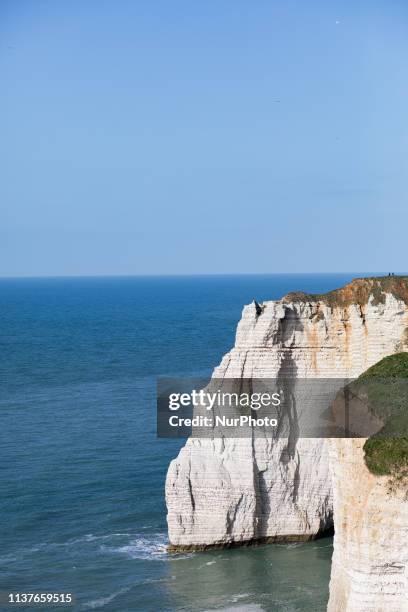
(82,473)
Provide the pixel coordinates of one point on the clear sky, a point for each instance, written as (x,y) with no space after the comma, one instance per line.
(148,137)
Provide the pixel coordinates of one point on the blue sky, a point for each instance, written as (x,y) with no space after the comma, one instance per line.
(203,137)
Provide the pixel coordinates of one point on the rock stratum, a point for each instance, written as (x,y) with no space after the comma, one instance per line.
(370,558)
(227,492)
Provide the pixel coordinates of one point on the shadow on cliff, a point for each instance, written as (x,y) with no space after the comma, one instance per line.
(287,429)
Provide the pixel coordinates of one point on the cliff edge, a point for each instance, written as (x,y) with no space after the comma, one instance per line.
(225,492)
(370,483)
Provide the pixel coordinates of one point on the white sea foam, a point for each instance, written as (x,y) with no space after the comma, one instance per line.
(141,547)
(89,537)
(133,545)
(112,540)
(239,596)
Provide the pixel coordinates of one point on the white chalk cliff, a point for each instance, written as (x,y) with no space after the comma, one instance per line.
(230,491)
(370,558)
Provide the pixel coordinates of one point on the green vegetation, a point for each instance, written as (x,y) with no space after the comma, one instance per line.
(394,366)
(387,456)
(385,385)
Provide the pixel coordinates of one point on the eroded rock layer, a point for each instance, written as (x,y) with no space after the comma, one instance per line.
(370,559)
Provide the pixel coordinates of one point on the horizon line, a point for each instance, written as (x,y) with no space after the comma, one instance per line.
(190,275)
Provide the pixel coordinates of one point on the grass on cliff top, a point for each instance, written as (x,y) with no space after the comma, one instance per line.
(387,456)
(386,453)
(393,366)
(358,292)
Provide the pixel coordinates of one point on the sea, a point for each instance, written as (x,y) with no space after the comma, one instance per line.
(82,472)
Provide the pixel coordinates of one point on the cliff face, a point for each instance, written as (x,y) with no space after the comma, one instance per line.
(370,559)
(230,491)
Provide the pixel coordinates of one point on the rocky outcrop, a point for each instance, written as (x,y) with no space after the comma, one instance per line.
(225,492)
(370,559)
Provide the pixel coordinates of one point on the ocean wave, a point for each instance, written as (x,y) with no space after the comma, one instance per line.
(102,601)
(141,547)
(131,543)
(90,537)
(8,559)
(239,608)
